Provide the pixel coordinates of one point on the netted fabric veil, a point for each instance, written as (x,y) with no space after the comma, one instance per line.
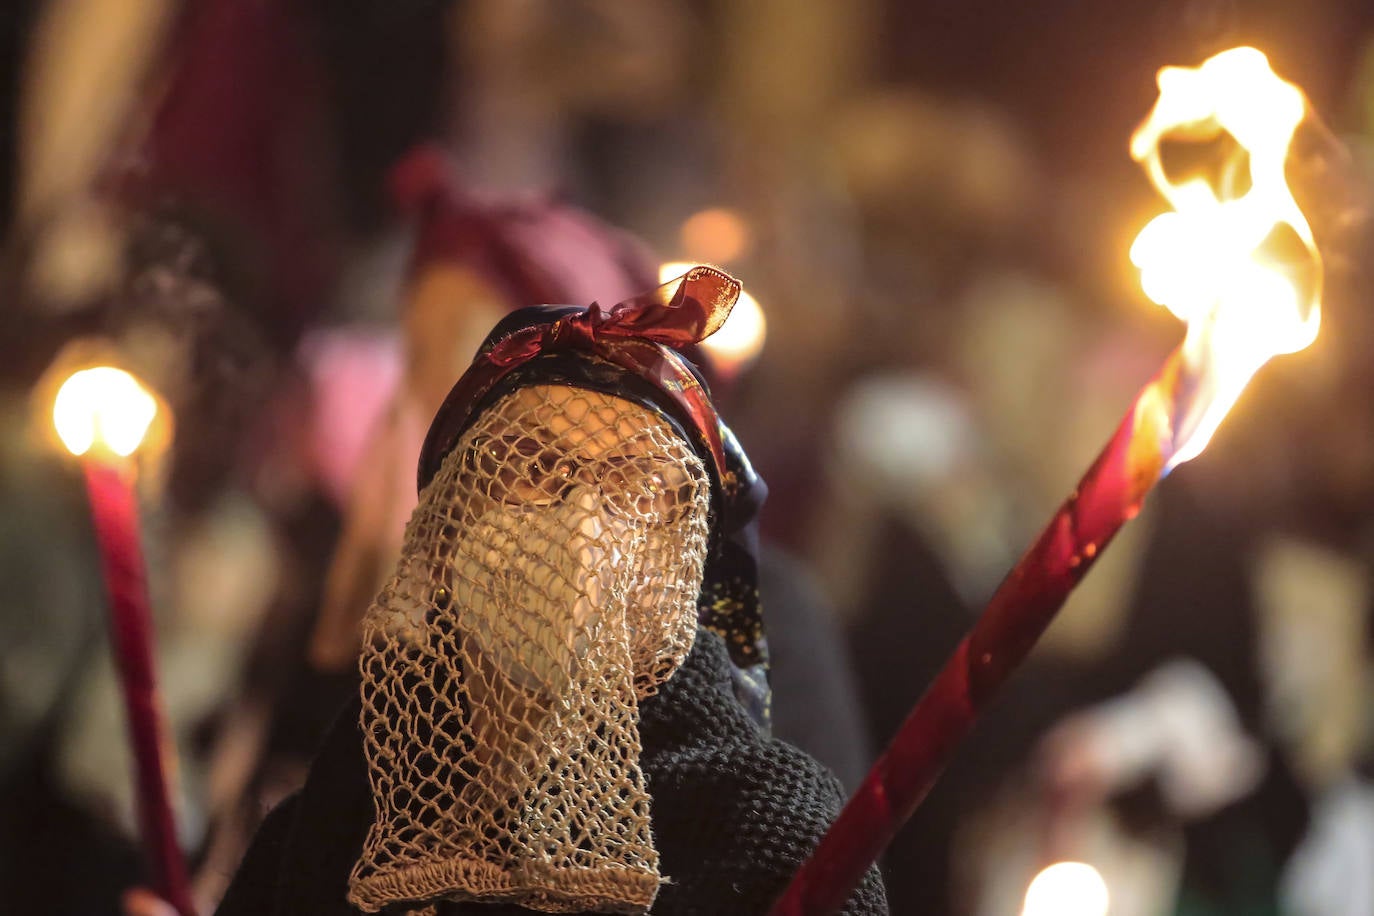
(635,349)
(548,581)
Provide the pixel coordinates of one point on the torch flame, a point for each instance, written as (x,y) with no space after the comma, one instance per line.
(737,341)
(103,408)
(1204,261)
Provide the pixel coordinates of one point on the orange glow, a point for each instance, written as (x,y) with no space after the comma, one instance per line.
(741,338)
(105,409)
(1067,889)
(715,236)
(1205,260)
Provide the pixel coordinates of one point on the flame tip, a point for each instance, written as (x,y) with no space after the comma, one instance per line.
(1204,259)
(103,408)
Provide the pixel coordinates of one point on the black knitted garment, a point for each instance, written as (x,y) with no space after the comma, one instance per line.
(734,812)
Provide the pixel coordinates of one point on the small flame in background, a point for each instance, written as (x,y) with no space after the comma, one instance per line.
(1067,889)
(1214,260)
(103,408)
(740,339)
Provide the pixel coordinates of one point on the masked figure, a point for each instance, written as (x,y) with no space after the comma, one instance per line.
(564,698)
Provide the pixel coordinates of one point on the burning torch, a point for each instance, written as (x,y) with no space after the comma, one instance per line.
(102,416)
(1235,259)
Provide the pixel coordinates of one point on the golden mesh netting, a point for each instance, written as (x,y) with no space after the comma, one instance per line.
(548,581)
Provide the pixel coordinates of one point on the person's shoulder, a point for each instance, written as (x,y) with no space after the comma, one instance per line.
(735,811)
(702,748)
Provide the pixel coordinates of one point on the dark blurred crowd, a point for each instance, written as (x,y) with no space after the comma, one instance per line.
(295,220)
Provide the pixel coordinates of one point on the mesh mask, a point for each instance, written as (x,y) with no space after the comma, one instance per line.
(635,350)
(549,581)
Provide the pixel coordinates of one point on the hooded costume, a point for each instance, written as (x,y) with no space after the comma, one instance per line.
(564,700)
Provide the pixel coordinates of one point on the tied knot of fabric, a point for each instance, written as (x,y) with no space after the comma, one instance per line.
(641,334)
(698,305)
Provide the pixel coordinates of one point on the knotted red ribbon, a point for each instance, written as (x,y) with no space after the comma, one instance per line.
(641,335)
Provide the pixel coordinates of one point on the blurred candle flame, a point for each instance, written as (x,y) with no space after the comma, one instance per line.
(1205,261)
(741,338)
(717,235)
(1067,889)
(103,408)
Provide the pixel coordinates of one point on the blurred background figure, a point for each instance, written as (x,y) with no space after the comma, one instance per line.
(473,262)
(294,219)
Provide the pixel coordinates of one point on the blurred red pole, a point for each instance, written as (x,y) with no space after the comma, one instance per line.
(114,511)
(1027,601)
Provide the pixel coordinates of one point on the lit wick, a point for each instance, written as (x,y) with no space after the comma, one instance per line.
(102,416)
(1215,263)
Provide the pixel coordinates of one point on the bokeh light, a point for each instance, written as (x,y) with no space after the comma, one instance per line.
(1067,889)
(103,408)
